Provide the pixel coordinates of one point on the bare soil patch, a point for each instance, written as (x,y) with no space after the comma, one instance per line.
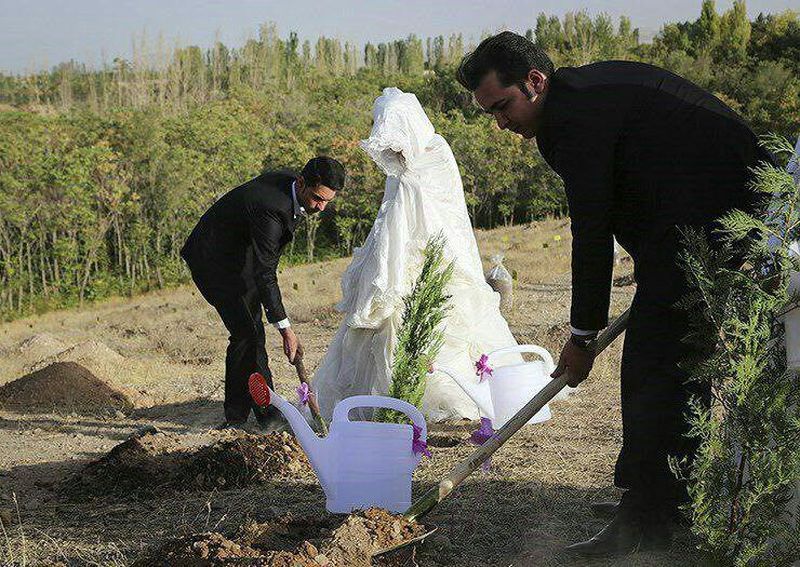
(522,512)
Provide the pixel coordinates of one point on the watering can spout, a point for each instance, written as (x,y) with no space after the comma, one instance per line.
(479,392)
(314,447)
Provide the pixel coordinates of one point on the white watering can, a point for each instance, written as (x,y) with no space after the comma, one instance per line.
(361,464)
(501,395)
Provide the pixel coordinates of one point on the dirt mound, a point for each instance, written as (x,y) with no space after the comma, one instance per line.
(150,462)
(93,354)
(243,459)
(40,346)
(292,542)
(138,464)
(372,530)
(63,387)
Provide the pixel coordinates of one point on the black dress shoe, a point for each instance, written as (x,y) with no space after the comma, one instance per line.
(608,508)
(628,532)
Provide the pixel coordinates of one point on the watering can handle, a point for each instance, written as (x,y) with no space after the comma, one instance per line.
(541,351)
(342,410)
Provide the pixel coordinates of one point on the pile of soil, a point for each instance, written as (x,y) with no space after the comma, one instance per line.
(151,462)
(142,463)
(244,459)
(63,387)
(95,355)
(373,530)
(39,346)
(291,542)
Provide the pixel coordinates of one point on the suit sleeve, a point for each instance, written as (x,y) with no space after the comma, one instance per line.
(267,229)
(584,158)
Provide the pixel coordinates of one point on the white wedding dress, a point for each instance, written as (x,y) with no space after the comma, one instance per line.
(423,196)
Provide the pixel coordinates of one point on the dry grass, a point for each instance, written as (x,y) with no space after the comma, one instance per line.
(522,512)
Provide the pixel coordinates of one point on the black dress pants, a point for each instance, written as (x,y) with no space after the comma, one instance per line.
(239,306)
(655,390)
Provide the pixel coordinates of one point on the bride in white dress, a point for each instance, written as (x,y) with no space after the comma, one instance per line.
(423,196)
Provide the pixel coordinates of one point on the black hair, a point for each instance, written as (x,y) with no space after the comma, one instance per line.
(324,170)
(510,55)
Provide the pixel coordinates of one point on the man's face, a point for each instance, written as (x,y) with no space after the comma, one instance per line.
(512,108)
(313,199)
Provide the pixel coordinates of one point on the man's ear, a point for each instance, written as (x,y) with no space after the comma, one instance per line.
(537,80)
(299,183)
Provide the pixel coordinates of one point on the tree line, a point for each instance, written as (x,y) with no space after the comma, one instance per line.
(103,172)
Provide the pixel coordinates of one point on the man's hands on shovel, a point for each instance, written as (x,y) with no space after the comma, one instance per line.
(313,404)
(576,361)
(290,343)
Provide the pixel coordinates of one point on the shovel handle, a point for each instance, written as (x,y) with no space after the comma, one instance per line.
(463,469)
(313,405)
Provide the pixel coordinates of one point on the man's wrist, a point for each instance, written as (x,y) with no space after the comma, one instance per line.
(282,324)
(582,332)
(584,342)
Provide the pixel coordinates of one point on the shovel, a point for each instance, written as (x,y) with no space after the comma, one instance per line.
(312,397)
(462,470)
(412,541)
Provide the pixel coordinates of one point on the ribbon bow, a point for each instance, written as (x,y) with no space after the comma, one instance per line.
(303,394)
(418,445)
(481,436)
(482,368)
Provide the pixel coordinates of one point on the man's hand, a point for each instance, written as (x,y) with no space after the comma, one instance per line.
(290,343)
(575,361)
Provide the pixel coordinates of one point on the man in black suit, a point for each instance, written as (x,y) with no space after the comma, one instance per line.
(642,153)
(233,255)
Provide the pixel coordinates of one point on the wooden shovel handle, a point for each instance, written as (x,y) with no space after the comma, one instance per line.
(313,405)
(463,469)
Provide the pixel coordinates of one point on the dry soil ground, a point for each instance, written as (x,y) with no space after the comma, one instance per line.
(162,354)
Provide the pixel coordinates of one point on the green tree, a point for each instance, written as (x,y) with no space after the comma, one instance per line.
(734,33)
(706,34)
(749,458)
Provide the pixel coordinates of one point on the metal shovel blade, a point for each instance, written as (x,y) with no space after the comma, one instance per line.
(412,541)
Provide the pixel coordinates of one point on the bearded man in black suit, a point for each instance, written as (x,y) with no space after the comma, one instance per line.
(233,255)
(643,153)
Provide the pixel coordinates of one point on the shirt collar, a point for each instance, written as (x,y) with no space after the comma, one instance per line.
(298,209)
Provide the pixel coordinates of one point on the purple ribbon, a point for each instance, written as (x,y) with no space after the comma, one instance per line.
(482,368)
(481,436)
(303,393)
(418,445)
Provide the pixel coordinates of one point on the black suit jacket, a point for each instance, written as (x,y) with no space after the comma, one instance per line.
(238,241)
(640,151)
